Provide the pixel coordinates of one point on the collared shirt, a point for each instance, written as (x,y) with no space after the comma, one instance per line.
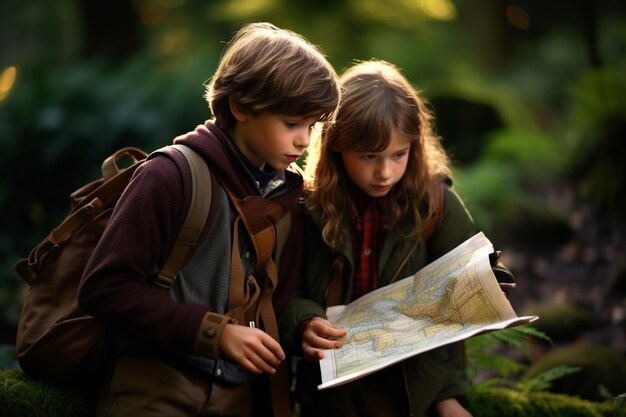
(366,240)
(262,176)
(267,179)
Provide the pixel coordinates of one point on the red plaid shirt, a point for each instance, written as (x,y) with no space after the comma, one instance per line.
(366,241)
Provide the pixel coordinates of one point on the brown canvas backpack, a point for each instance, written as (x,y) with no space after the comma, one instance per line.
(59,342)
(56,340)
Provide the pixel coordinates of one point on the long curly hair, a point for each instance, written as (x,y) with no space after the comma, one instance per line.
(377,99)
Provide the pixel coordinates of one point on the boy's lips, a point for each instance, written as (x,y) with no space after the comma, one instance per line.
(292,158)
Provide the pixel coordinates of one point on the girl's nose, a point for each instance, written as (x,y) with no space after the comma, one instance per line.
(383,169)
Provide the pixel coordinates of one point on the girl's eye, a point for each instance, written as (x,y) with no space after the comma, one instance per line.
(367,157)
(400,155)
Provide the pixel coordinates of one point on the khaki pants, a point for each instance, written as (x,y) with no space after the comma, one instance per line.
(145,387)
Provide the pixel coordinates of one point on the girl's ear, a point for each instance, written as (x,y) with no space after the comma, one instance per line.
(235,108)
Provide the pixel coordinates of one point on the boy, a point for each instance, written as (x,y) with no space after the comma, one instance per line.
(180,354)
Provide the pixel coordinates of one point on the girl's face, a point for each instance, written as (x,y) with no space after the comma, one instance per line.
(376,172)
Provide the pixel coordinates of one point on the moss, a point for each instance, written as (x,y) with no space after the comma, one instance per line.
(498,402)
(563,321)
(21,396)
(600,366)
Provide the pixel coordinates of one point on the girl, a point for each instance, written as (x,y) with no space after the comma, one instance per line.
(368,203)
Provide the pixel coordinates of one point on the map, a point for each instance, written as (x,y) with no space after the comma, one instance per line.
(453,298)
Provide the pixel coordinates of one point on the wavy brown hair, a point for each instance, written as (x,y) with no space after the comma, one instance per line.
(274,70)
(377,99)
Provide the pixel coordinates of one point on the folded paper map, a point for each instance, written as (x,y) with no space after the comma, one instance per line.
(451,299)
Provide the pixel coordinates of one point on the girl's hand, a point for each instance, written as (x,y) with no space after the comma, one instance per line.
(251,348)
(451,407)
(318,334)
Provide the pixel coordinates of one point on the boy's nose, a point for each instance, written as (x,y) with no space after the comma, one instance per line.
(303,139)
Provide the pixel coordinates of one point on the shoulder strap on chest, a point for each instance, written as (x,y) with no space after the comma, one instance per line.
(195,220)
(436,201)
(267,225)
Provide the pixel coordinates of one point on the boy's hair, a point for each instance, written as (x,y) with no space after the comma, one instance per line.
(377,99)
(269,69)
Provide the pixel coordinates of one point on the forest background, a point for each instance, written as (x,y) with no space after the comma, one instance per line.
(529,98)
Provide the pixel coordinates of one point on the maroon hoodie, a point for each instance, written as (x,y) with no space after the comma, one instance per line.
(141,233)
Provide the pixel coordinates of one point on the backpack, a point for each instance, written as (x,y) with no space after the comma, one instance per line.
(56,340)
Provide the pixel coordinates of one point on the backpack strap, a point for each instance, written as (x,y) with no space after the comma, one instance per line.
(435,197)
(263,231)
(197,216)
(283,227)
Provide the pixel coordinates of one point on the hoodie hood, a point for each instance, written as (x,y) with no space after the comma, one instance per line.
(217,149)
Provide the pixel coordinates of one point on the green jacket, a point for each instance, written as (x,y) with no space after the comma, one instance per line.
(431,376)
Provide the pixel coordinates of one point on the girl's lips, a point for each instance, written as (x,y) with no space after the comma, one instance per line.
(381,188)
(292,158)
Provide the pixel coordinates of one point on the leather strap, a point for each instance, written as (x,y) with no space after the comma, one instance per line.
(281,402)
(102,196)
(110,167)
(435,197)
(194,222)
(236,285)
(262,231)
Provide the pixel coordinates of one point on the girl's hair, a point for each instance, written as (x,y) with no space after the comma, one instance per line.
(274,70)
(377,99)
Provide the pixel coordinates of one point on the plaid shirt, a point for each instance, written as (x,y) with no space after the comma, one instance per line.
(366,241)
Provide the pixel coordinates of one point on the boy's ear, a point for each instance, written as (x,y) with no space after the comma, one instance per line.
(235,108)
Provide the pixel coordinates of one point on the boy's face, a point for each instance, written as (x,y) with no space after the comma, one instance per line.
(377,172)
(272,138)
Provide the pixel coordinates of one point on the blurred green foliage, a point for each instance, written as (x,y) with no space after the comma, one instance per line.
(598,128)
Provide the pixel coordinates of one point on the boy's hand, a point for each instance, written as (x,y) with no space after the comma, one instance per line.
(252,348)
(315,336)
(451,407)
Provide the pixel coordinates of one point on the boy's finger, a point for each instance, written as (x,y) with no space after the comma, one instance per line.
(274,347)
(270,357)
(260,363)
(250,366)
